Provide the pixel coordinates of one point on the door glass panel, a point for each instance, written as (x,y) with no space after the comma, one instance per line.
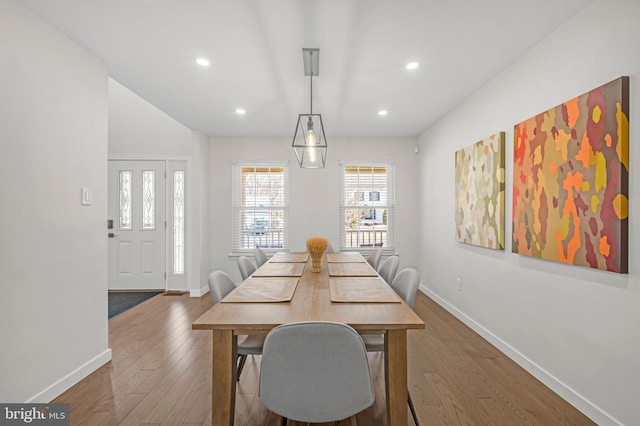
(148,200)
(125,199)
(178,222)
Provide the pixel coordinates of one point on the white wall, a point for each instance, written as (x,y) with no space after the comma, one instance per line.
(314,194)
(137,129)
(577,329)
(53,142)
(199,219)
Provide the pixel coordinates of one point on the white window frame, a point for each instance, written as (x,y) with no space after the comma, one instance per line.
(238,228)
(389,248)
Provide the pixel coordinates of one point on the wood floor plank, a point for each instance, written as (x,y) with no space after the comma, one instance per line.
(161,375)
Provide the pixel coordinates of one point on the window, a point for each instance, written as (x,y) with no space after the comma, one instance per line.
(125,199)
(260,207)
(148,200)
(178,222)
(366,206)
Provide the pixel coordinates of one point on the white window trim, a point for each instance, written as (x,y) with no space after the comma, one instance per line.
(236,205)
(391,206)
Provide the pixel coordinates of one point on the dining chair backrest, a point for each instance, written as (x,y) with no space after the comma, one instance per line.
(260,256)
(246,267)
(315,372)
(374,257)
(388,268)
(220,284)
(405,284)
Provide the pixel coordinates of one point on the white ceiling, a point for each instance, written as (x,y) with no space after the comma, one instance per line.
(255,49)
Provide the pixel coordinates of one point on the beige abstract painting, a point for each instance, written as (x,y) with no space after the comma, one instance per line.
(480,193)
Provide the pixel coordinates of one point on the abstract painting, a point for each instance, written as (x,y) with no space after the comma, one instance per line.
(480,193)
(570,181)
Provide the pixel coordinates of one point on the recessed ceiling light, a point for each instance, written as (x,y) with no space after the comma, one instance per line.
(382,112)
(202,62)
(412,65)
(240,111)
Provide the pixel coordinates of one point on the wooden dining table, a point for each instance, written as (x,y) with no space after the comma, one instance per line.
(311,301)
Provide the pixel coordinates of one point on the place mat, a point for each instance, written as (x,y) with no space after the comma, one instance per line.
(289,257)
(265,290)
(274,269)
(361,290)
(345,256)
(362,269)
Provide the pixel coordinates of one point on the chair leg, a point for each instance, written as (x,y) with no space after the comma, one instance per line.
(413,410)
(241,360)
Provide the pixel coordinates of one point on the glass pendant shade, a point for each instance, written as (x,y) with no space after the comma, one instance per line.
(309,142)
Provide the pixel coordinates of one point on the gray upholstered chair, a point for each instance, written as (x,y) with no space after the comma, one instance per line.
(387,269)
(374,257)
(405,284)
(221,284)
(260,256)
(246,267)
(315,372)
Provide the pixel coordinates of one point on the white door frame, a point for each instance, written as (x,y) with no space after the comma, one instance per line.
(190,274)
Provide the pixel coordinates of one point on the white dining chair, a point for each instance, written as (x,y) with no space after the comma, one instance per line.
(246,267)
(260,256)
(315,372)
(374,257)
(405,284)
(387,269)
(221,284)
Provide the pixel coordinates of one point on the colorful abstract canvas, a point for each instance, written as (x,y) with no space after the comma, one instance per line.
(480,193)
(570,181)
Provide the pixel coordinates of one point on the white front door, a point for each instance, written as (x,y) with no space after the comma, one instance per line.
(136,225)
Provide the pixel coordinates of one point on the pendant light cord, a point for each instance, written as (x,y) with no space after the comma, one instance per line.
(311,81)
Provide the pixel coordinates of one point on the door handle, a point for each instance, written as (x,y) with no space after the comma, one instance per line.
(111,235)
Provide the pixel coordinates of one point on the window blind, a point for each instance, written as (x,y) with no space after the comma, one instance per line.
(260,207)
(366,206)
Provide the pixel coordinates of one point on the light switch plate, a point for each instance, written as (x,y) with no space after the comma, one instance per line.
(86,197)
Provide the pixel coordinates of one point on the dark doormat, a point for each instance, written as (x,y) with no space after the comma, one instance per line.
(174,293)
(120,301)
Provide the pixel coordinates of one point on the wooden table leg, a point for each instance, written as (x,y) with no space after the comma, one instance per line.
(223,383)
(395,368)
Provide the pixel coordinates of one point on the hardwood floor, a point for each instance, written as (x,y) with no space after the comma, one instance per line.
(160,374)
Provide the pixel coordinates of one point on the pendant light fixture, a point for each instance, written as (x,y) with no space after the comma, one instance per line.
(309,142)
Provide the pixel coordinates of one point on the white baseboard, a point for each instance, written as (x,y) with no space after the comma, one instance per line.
(582,404)
(200,292)
(71,379)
